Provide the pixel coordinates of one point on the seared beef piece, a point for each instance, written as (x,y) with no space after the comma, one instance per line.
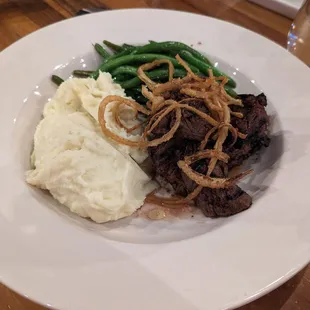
(165,157)
(192,126)
(219,202)
(220,171)
(175,95)
(223,202)
(254,123)
(186,141)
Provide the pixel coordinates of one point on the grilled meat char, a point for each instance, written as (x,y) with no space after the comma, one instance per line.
(186,141)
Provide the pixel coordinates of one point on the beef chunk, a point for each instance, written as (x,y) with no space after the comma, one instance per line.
(254,123)
(223,202)
(186,141)
(219,202)
(165,157)
(192,126)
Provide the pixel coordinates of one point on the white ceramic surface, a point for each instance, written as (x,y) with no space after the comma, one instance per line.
(59,260)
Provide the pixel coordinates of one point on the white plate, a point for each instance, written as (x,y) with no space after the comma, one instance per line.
(65,262)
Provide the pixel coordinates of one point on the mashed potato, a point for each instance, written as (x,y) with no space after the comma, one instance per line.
(80,167)
(85,95)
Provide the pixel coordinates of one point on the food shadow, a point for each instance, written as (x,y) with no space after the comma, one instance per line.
(265,163)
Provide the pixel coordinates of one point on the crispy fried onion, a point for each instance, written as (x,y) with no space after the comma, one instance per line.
(143,77)
(206,154)
(208,89)
(175,84)
(207,181)
(171,202)
(141,143)
(115,114)
(187,68)
(154,101)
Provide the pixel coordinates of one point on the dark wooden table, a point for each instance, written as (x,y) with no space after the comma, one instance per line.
(21,17)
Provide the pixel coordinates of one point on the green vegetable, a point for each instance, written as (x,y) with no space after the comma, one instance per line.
(112,46)
(203,67)
(125,45)
(124,52)
(176,47)
(125,70)
(131,70)
(82,73)
(122,77)
(111,64)
(57,80)
(158,74)
(137,89)
(231,92)
(135,93)
(101,51)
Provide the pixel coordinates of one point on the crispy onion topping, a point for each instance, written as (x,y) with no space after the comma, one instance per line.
(208,89)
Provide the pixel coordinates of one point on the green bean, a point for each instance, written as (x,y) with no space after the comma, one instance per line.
(141,99)
(231,92)
(122,78)
(151,41)
(124,52)
(228,89)
(137,89)
(203,67)
(131,70)
(135,93)
(168,47)
(158,74)
(125,70)
(112,46)
(57,80)
(142,58)
(101,51)
(125,45)
(82,73)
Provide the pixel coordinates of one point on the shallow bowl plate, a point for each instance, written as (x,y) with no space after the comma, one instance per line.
(183,262)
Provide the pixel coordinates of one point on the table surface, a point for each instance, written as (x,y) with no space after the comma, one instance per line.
(20,17)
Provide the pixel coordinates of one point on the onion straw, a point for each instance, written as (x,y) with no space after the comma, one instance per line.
(208,89)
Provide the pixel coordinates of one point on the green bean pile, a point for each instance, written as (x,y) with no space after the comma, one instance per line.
(125,59)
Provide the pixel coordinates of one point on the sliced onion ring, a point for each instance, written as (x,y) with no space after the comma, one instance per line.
(143,77)
(206,154)
(207,181)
